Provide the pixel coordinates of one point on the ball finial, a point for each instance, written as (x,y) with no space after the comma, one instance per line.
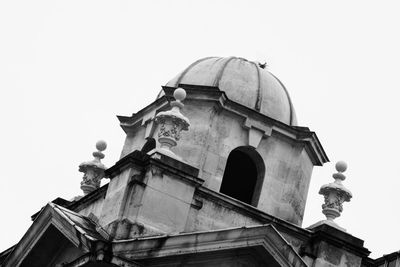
(180,94)
(101,145)
(341,166)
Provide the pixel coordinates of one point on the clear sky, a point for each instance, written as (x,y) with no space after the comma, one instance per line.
(68,67)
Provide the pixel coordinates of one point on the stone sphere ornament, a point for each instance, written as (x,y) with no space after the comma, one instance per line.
(101,145)
(179,94)
(341,166)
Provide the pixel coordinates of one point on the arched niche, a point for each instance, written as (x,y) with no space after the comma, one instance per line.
(243,175)
(149,145)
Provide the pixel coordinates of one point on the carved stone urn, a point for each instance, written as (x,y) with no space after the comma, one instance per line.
(93,170)
(335,194)
(172,123)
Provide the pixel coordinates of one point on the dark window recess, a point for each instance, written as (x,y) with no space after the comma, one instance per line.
(149,145)
(240,177)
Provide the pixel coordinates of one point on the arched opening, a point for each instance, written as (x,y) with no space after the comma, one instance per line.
(149,145)
(243,176)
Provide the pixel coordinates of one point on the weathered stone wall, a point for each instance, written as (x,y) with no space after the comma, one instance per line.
(93,208)
(216,215)
(212,136)
(332,256)
(116,197)
(147,199)
(215,132)
(164,205)
(287,178)
(134,141)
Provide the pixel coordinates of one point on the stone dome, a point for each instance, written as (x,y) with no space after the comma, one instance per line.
(245,82)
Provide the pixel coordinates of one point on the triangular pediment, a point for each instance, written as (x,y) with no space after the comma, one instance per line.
(245,246)
(55,233)
(51,248)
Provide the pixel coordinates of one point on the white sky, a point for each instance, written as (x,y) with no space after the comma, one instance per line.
(68,67)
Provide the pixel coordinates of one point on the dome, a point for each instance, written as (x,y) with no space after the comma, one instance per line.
(245,82)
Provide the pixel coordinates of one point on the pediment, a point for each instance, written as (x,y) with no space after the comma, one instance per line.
(57,233)
(246,246)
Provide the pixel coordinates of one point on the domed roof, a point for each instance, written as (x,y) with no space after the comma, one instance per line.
(244,82)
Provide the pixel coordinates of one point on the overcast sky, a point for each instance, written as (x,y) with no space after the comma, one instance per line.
(67,68)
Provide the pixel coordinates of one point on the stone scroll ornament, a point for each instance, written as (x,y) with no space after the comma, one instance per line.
(93,171)
(335,194)
(172,123)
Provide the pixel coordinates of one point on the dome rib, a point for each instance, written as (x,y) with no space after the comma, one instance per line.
(178,81)
(259,91)
(222,70)
(288,97)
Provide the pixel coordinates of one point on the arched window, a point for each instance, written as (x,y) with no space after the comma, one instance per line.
(243,176)
(149,145)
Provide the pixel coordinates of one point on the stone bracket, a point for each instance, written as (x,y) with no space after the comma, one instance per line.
(263,127)
(156,171)
(196,204)
(137,179)
(255,137)
(256,131)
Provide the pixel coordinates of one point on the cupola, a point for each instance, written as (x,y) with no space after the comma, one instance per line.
(243,135)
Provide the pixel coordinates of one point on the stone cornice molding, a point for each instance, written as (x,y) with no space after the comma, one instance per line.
(142,161)
(336,237)
(309,237)
(253,212)
(251,118)
(264,238)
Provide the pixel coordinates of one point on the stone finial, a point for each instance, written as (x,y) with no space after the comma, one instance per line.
(171,123)
(335,193)
(93,170)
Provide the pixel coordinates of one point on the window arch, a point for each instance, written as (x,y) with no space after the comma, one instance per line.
(149,145)
(244,175)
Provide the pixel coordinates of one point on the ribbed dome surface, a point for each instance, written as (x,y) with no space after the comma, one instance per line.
(244,82)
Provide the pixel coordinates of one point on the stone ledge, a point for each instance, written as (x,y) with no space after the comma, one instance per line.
(337,238)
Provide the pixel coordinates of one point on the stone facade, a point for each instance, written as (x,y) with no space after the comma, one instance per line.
(172,198)
(218,127)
